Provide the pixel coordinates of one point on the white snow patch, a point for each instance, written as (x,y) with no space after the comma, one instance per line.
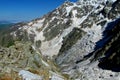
(112,0)
(78,21)
(52,19)
(13,33)
(65,20)
(69,8)
(98,10)
(95,73)
(26,75)
(39,36)
(55,76)
(95,32)
(45,63)
(32,29)
(91,2)
(51,47)
(30,23)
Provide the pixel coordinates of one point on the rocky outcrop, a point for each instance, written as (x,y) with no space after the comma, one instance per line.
(21,61)
(111,60)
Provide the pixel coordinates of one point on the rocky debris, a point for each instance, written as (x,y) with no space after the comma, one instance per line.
(111,60)
(51,30)
(94,26)
(94,73)
(22,62)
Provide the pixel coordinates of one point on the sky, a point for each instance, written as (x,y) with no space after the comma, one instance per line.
(25,10)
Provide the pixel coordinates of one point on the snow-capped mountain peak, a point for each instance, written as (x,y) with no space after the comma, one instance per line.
(53,27)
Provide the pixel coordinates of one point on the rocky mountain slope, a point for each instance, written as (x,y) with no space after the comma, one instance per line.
(76,41)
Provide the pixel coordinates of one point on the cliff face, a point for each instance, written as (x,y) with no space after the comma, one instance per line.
(75,41)
(111,50)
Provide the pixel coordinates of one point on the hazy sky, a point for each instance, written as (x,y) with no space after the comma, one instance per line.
(23,10)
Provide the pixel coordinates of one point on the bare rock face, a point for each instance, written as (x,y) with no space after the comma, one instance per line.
(22,62)
(16,58)
(76,41)
(94,26)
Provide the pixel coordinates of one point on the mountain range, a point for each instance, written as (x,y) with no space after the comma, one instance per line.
(76,41)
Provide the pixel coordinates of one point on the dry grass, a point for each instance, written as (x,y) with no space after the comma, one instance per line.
(42,72)
(10,76)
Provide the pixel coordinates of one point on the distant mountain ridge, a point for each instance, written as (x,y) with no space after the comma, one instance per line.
(10,21)
(6,22)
